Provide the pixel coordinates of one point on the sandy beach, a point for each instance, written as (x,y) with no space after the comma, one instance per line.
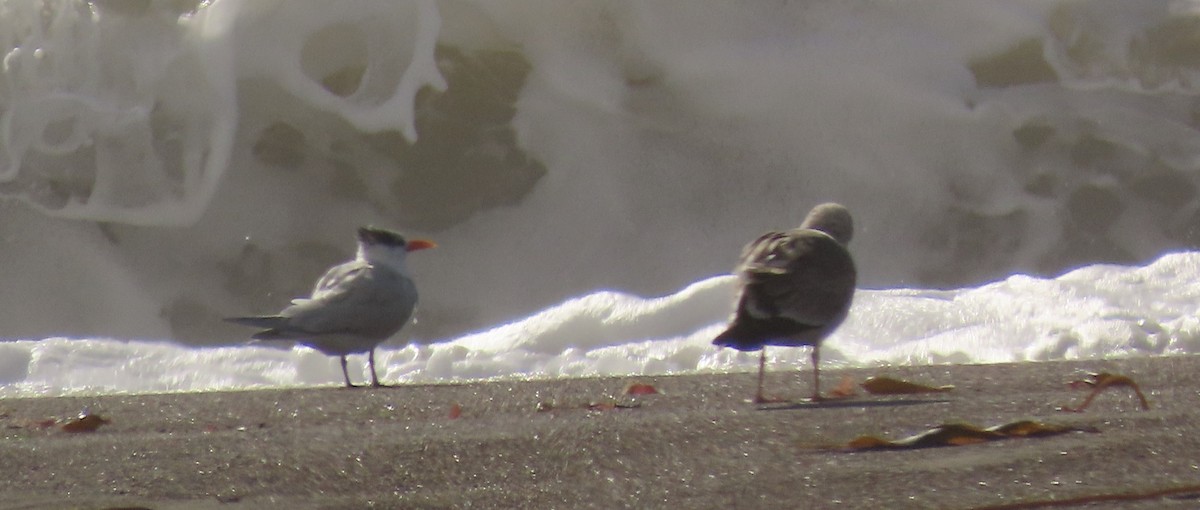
(586,444)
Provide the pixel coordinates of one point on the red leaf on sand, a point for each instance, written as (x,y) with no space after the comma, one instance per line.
(640,389)
(455,411)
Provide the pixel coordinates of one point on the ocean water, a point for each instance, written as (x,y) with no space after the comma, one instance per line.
(1023,175)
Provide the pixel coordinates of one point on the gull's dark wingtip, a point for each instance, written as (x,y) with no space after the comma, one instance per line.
(736,337)
(264,321)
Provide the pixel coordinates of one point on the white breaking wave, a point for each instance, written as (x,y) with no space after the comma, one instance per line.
(1095,312)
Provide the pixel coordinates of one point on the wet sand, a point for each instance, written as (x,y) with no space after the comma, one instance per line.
(536,444)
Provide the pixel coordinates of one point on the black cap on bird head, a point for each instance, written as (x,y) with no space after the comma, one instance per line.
(375,235)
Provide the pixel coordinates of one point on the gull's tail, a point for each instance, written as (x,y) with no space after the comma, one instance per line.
(272,325)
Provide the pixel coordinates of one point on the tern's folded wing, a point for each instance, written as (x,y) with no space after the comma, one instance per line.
(363,301)
(339,278)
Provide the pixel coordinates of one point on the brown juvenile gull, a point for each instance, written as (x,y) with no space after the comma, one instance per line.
(795,288)
(355,306)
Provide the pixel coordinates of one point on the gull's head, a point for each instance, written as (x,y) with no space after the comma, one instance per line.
(833,219)
(378,245)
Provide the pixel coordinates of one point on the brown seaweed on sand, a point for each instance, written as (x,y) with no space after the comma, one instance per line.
(85,422)
(1101,381)
(883,385)
(959,434)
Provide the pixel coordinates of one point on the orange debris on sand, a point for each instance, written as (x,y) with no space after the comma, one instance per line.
(844,389)
(640,389)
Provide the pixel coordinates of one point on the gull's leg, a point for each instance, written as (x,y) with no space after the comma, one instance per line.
(346,373)
(816,361)
(759,398)
(762,365)
(371,362)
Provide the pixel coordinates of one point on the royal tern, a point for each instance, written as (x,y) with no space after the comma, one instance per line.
(355,306)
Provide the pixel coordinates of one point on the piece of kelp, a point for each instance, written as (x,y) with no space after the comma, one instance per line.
(959,434)
(883,385)
(85,422)
(1101,381)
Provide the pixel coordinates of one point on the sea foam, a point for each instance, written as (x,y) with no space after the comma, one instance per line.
(1096,312)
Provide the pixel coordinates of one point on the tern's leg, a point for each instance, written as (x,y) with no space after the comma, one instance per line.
(346,373)
(371,362)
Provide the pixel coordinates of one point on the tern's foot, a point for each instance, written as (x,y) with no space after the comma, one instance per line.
(378,384)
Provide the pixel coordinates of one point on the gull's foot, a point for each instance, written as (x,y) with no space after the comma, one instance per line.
(833,395)
(762,399)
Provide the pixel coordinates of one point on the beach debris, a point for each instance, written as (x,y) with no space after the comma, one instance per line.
(1177,492)
(640,389)
(38,425)
(85,422)
(455,411)
(959,434)
(883,385)
(610,405)
(1098,382)
(844,389)
(630,398)
(546,406)
(212,428)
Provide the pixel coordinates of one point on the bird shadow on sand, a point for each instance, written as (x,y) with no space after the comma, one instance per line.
(837,404)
